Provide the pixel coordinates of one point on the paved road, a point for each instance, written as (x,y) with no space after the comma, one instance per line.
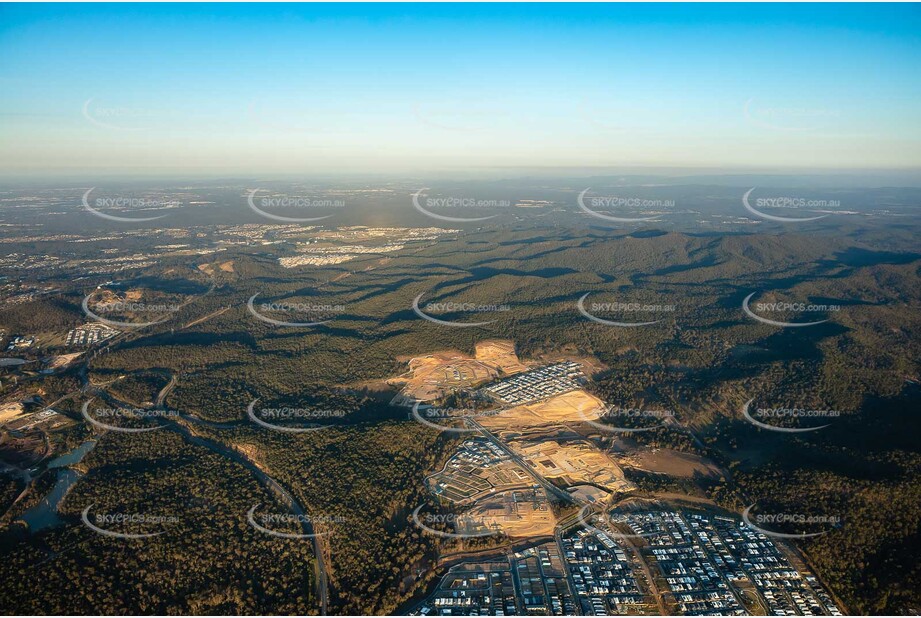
(322,587)
(322,584)
(26,474)
(558,537)
(550,488)
(161,396)
(87,387)
(269,482)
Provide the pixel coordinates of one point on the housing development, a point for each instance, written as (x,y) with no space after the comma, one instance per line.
(523,473)
(696,563)
(538,384)
(89,335)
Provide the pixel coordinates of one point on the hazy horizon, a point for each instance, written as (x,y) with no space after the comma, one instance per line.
(460,309)
(230,90)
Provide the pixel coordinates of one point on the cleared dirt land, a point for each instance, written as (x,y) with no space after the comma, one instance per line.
(467,482)
(572,407)
(433,376)
(672,463)
(519,513)
(574,463)
(61,360)
(501,355)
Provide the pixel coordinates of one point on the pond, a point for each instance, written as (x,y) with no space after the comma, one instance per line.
(74,456)
(44,515)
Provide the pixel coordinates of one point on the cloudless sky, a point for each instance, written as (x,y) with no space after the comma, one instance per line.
(285,88)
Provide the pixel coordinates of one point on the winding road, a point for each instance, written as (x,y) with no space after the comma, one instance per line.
(322,589)
(236,456)
(322,586)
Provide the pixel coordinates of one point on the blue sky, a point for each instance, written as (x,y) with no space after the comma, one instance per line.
(112,88)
